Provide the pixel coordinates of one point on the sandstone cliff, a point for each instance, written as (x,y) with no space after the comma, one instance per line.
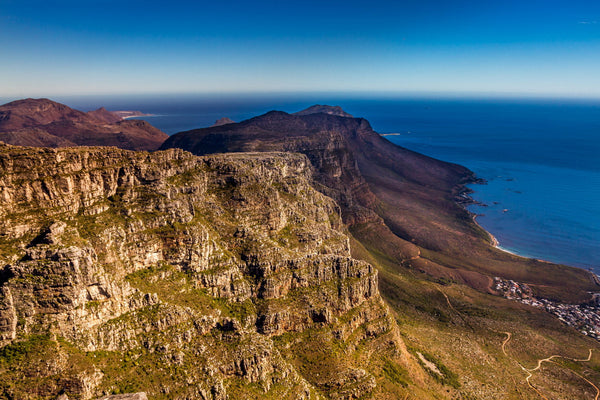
(225,276)
(395,201)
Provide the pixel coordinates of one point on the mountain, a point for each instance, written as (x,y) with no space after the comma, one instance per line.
(395,201)
(35,122)
(331,110)
(184,277)
(340,268)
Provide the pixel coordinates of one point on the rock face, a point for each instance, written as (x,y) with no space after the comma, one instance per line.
(398,202)
(45,123)
(225,276)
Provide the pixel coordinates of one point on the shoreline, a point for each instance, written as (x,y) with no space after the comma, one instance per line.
(127,114)
(494,242)
(138,116)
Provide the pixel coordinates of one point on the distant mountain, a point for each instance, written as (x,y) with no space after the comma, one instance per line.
(102,114)
(331,110)
(29,113)
(223,121)
(43,122)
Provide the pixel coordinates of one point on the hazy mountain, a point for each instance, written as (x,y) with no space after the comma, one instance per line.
(34,122)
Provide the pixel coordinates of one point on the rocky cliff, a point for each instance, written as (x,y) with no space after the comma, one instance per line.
(45,123)
(225,276)
(395,201)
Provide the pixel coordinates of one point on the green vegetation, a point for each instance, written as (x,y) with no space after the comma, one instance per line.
(18,351)
(395,373)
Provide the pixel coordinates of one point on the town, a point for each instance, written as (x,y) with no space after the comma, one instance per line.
(583,317)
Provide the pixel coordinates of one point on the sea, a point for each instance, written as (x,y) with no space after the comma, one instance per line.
(540,157)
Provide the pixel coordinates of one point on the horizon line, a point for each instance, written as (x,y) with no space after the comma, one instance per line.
(302,93)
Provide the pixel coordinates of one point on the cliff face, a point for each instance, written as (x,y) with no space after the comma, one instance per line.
(42,122)
(182,276)
(395,201)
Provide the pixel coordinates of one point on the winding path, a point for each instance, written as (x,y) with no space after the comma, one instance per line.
(548,359)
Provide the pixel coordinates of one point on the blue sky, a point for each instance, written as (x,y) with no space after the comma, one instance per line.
(529,47)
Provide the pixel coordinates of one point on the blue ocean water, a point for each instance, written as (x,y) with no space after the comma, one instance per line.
(541,157)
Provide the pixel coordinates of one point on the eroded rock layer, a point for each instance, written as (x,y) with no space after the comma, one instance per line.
(182,276)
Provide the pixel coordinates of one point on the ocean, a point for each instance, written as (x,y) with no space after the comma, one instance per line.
(540,157)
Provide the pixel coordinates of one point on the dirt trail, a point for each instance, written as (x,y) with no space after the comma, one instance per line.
(467,323)
(530,371)
(508,337)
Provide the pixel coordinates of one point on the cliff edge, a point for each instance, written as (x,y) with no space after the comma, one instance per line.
(215,277)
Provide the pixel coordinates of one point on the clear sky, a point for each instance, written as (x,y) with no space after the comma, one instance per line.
(60,47)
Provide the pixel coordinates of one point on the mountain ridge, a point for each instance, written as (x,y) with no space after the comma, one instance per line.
(35,122)
(407,198)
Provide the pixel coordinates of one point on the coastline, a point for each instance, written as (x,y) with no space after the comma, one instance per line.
(139,116)
(127,114)
(465,199)
(494,242)
(584,317)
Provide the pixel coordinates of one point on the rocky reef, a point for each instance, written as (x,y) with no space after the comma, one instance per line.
(224,276)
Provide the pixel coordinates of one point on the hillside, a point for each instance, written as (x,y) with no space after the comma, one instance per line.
(42,122)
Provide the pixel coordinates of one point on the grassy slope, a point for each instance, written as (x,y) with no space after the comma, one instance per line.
(465,331)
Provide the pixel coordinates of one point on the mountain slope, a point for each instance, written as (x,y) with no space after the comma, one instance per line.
(401,202)
(35,122)
(185,277)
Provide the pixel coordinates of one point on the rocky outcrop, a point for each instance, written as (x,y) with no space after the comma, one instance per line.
(206,273)
(45,123)
(395,201)
(223,121)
